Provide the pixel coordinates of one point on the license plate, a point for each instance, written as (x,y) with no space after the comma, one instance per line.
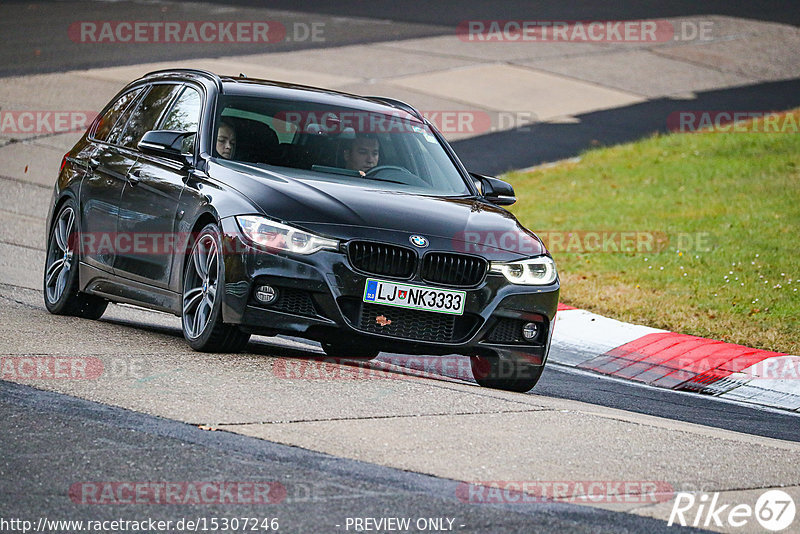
(415,297)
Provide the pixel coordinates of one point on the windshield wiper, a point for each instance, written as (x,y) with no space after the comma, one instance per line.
(385,180)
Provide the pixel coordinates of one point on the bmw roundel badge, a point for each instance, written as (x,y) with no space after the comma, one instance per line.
(418,241)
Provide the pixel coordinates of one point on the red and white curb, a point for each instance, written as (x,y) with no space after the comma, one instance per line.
(588,341)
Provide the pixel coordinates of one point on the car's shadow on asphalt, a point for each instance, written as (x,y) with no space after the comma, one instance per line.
(258,345)
(143,326)
(312,362)
(557,383)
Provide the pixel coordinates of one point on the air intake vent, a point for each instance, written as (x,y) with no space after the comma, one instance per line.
(294,301)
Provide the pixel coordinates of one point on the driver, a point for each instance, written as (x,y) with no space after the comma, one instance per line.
(363,153)
(226,140)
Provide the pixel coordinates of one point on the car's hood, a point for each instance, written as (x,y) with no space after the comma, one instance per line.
(347,210)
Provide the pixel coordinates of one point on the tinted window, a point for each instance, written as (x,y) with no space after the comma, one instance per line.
(377,146)
(284,130)
(146,114)
(113,114)
(184,116)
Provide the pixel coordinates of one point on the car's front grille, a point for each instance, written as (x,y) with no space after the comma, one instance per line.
(407,324)
(453,269)
(382,259)
(295,301)
(414,324)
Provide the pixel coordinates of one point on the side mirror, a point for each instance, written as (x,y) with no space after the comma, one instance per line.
(165,143)
(495,190)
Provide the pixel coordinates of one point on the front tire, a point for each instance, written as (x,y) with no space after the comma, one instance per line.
(506,374)
(203,283)
(62,295)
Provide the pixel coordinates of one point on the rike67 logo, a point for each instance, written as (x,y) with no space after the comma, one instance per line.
(774,511)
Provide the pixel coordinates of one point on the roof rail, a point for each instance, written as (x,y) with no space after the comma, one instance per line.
(398,104)
(208,74)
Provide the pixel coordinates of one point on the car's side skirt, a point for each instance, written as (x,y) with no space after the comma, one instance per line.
(116,289)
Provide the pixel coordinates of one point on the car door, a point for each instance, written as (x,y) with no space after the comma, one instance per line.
(149,203)
(101,188)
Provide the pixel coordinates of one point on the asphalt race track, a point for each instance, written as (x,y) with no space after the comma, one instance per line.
(339,441)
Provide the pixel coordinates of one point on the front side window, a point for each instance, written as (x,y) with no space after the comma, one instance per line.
(388,150)
(184,116)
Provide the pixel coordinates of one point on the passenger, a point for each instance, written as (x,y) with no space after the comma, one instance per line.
(362,154)
(226,140)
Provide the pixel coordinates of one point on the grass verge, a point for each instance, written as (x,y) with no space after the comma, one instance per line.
(708,225)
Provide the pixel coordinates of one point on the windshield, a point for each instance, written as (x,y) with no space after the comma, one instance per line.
(395,152)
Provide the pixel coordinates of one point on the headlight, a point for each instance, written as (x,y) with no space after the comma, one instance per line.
(274,235)
(539,271)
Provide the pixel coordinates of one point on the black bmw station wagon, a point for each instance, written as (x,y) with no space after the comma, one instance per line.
(253,207)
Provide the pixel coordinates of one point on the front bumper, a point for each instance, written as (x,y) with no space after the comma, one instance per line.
(320,298)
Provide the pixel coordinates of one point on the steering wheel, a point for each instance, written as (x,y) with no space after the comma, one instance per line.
(375,170)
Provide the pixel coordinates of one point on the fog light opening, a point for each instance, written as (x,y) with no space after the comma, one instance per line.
(266,294)
(530,331)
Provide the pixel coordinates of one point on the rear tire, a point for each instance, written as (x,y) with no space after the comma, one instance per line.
(348,351)
(203,287)
(62,295)
(509,375)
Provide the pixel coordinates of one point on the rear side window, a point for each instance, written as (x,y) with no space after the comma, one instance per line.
(146,114)
(112,116)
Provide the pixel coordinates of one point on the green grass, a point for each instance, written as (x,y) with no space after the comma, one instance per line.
(729,204)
